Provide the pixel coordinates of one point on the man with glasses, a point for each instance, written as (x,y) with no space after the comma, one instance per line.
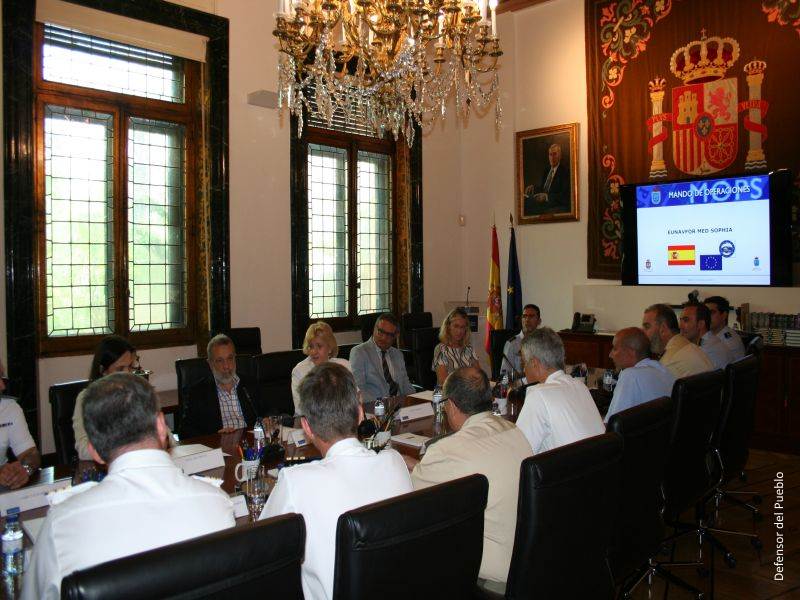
(379,367)
(224,401)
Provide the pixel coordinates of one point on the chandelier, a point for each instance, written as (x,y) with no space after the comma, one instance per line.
(394,63)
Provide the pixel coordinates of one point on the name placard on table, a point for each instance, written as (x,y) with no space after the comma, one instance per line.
(194,458)
(415,411)
(30,497)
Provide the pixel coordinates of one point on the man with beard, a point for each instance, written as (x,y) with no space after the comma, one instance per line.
(224,401)
(680,356)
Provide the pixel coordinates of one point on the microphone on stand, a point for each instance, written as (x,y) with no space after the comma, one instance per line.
(466,303)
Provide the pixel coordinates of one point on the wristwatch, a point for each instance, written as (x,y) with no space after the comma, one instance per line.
(29,469)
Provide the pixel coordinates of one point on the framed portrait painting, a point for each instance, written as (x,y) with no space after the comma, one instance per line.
(547,174)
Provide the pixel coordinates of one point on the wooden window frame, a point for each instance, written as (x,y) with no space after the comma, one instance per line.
(122,106)
(353,143)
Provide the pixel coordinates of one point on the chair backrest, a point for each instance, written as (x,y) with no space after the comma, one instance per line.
(425,544)
(242,561)
(423,341)
(689,475)
(246,339)
(737,419)
(368,324)
(754,345)
(274,377)
(409,321)
(62,403)
(344,351)
(565,518)
(645,431)
(497,341)
(190,371)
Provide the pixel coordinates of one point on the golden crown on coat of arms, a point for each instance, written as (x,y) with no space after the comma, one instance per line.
(706,59)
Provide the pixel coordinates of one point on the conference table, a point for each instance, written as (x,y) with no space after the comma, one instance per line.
(229,443)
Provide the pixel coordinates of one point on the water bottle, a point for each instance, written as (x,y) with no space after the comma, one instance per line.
(258,434)
(13,555)
(608,380)
(380,408)
(437,401)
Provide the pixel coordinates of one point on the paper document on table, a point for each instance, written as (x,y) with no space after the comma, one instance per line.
(239,506)
(186,450)
(423,395)
(32,527)
(410,439)
(31,496)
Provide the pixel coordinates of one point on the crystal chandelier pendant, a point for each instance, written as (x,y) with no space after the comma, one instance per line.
(393,62)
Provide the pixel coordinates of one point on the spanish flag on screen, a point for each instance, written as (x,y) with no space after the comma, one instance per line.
(680,255)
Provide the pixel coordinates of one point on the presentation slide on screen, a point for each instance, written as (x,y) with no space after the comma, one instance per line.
(712,232)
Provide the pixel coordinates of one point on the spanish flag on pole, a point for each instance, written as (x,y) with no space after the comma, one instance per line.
(494,305)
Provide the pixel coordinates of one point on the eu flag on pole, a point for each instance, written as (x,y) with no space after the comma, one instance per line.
(513,285)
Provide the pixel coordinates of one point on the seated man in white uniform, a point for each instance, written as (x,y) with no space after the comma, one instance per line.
(641,378)
(144,502)
(14,434)
(695,321)
(531,319)
(559,410)
(720,308)
(347,477)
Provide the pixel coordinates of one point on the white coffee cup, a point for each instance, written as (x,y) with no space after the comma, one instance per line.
(249,469)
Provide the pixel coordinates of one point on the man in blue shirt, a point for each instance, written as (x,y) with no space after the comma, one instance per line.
(641,379)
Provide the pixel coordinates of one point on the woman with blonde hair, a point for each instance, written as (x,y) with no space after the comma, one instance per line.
(454,350)
(319,346)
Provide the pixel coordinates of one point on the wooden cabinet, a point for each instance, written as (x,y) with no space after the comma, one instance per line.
(777,422)
(588,348)
(777,418)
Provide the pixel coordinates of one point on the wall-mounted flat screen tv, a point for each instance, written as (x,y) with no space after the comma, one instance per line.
(725,231)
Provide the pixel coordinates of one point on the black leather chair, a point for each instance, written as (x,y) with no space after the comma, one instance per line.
(691,473)
(344,351)
(238,562)
(189,371)
(754,345)
(732,439)
(426,544)
(246,339)
(423,341)
(368,324)
(640,529)
(497,341)
(568,501)
(411,321)
(274,377)
(62,406)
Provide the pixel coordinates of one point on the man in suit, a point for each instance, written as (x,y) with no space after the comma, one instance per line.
(379,367)
(552,194)
(224,401)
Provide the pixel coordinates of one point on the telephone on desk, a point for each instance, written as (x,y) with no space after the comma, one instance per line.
(583,323)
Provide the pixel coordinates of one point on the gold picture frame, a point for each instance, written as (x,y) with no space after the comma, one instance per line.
(544,195)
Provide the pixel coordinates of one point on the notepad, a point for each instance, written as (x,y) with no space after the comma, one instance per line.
(423,395)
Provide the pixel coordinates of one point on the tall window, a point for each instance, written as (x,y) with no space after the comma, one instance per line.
(115,180)
(348,216)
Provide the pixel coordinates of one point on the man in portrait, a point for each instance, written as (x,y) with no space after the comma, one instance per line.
(547,188)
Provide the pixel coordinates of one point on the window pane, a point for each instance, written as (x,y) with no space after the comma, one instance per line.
(156,225)
(79,241)
(327,231)
(374,232)
(75,58)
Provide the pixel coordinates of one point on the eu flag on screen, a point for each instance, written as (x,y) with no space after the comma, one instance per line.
(711,262)
(513,287)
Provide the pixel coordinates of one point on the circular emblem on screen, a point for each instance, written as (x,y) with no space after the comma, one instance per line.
(726,249)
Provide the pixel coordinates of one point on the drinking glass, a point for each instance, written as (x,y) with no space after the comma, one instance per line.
(255,494)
